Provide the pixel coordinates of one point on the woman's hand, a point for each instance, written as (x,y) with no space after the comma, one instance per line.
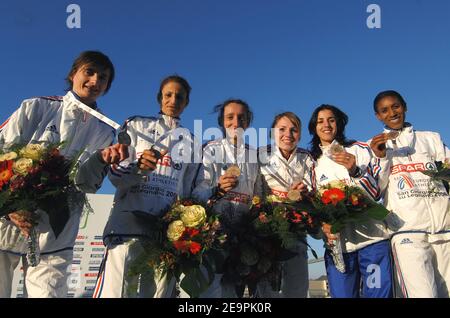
(114,154)
(227,183)
(378,145)
(347,160)
(149,158)
(23,220)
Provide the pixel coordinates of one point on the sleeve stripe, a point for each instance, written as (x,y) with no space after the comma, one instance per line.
(369,188)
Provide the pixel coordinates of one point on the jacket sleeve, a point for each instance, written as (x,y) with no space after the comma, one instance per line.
(188,182)
(20,126)
(206,179)
(442,152)
(308,174)
(367,181)
(126,173)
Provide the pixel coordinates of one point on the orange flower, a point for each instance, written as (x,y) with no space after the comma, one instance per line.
(333,196)
(187,246)
(6,172)
(297,217)
(263,217)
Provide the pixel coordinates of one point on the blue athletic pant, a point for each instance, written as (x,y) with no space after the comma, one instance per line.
(368,273)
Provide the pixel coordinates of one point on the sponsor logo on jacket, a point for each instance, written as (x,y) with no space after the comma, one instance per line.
(411,167)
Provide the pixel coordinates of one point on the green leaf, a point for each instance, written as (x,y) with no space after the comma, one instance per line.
(194,282)
(377,212)
(336,227)
(4,196)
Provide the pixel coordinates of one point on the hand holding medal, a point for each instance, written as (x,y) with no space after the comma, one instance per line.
(229,179)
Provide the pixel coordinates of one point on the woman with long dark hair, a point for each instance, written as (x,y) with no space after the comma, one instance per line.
(366,249)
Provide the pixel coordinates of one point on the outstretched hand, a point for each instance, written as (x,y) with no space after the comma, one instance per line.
(114,154)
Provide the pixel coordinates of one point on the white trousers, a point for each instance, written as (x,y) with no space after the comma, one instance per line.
(423,264)
(49,279)
(114,280)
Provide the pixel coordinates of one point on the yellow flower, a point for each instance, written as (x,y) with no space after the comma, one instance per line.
(338,184)
(193,215)
(32,151)
(22,165)
(8,156)
(175,230)
(256,200)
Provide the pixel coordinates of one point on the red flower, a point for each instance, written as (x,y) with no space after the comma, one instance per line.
(333,196)
(190,232)
(180,245)
(195,247)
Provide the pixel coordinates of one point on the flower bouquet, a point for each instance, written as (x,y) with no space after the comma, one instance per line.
(265,237)
(340,204)
(188,238)
(35,177)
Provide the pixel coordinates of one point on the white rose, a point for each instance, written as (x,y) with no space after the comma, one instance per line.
(193,215)
(175,230)
(22,165)
(8,156)
(32,151)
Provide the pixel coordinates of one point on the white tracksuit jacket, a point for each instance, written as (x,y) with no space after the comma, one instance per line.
(406,191)
(218,155)
(150,192)
(354,237)
(279,174)
(53,120)
(420,218)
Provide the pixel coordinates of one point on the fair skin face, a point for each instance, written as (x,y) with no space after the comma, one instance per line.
(173,102)
(174,99)
(234,117)
(90,82)
(287,136)
(392,113)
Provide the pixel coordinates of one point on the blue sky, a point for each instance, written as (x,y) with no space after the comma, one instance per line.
(277,55)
